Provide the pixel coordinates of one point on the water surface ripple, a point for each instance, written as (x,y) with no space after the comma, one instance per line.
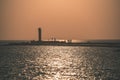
(59,63)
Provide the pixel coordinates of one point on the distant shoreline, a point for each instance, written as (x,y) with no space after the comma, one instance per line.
(65,44)
(89,43)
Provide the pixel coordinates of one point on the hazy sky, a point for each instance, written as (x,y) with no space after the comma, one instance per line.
(63,19)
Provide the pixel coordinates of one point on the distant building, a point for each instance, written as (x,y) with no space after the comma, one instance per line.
(39,34)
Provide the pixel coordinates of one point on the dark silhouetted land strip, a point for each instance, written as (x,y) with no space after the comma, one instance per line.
(57,43)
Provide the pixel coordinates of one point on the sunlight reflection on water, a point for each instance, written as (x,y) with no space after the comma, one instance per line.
(60,63)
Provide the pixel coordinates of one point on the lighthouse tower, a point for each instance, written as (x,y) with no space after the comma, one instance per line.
(39,34)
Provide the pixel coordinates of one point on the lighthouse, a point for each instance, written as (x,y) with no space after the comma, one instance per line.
(39,34)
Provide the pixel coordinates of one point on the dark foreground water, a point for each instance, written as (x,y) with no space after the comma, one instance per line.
(59,63)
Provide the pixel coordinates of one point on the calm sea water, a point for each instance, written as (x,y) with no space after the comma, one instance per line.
(59,63)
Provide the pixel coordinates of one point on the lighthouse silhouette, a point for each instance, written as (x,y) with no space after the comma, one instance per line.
(39,34)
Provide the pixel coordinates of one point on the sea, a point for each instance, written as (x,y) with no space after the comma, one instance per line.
(59,63)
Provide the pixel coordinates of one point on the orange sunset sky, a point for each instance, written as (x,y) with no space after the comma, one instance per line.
(63,19)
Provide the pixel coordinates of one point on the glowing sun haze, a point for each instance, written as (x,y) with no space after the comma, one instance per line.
(63,19)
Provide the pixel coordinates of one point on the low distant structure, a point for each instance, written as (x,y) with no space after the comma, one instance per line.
(69,41)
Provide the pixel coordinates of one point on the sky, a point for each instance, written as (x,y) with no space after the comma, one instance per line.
(63,19)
